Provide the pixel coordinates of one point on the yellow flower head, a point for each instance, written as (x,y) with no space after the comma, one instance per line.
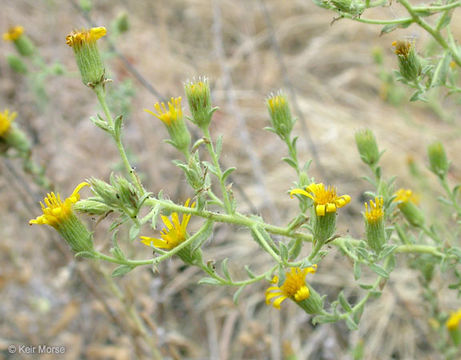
(454,320)
(56,211)
(5,121)
(174,234)
(375,213)
(77,38)
(325,199)
(170,115)
(404,196)
(402,47)
(13,33)
(294,286)
(276,102)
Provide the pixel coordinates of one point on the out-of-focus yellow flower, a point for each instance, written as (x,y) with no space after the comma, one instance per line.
(454,320)
(13,33)
(79,37)
(294,287)
(405,196)
(6,118)
(56,211)
(168,116)
(175,232)
(375,212)
(402,48)
(325,199)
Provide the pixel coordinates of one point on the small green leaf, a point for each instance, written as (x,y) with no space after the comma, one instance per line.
(209,281)
(227,173)
(351,325)
(225,269)
(236,296)
(357,270)
(134,231)
(86,254)
(250,273)
(344,303)
(122,270)
(379,270)
(366,287)
(283,251)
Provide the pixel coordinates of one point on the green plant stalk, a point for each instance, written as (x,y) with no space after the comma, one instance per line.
(101,94)
(450,194)
(214,158)
(225,282)
(293,153)
(265,245)
(435,33)
(133,314)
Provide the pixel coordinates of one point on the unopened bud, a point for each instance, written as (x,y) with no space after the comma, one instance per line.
(16,64)
(199,99)
(367,146)
(438,159)
(409,63)
(280,115)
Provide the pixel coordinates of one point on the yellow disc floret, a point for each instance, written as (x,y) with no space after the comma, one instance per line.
(375,212)
(6,118)
(79,37)
(294,287)
(168,115)
(13,33)
(55,211)
(402,48)
(325,199)
(175,232)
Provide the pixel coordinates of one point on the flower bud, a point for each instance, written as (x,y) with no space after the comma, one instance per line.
(199,99)
(438,159)
(92,206)
(406,204)
(367,146)
(409,63)
(280,115)
(21,41)
(87,54)
(16,64)
(374,224)
(121,23)
(173,119)
(10,135)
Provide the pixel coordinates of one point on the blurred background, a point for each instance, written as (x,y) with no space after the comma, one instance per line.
(337,75)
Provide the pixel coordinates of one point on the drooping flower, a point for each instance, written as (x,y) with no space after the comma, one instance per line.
(375,212)
(77,38)
(454,320)
(13,33)
(56,211)
(6,118)
(325,199)
(294,287)
(175,232)
(406,202)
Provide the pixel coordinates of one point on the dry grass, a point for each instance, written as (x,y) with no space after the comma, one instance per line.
(53,299)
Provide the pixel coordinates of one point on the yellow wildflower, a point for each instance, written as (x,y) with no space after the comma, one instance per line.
(294,287)
(57,211)
(168,116)
(77,38)
(376,212)
(5,121)
(325,199)
(402,47)
(174,234)
(405,196)
(454,320)
(13,33)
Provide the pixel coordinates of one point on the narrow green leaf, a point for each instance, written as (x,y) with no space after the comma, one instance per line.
(225,269)
(134,231)
(236,296)
(227,173)
(379,270)
(121,270)
(344,303)
(209,281)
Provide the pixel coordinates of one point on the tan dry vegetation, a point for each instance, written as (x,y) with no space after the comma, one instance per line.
(50,298)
